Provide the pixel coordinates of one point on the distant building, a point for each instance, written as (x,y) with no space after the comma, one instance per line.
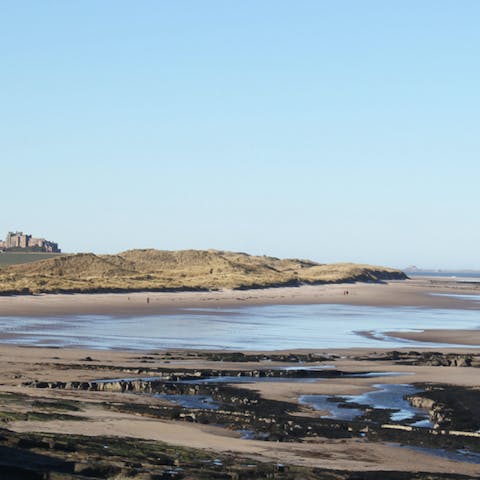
(22,241)
(17,240)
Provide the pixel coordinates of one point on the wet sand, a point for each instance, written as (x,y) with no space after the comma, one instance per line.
(428,293)
(345,454)
(416,292)
(21,364)
(460,337)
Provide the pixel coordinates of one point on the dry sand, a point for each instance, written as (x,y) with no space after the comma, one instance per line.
(460,337)
(416,292)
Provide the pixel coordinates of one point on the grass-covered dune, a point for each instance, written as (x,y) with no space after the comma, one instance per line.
(157,270)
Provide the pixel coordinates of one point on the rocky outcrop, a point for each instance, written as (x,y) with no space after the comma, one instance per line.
(440,415)
(430,359)
(153,384)
(450,406)
(58,456)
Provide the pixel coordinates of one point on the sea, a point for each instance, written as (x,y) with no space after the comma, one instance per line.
(460,275)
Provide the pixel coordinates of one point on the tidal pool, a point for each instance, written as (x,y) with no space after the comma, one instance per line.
(384,397)
(191,401)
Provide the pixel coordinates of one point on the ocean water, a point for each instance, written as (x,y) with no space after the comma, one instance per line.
(460,274)
(245,328)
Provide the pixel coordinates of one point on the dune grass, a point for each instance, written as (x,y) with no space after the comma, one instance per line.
(157,270)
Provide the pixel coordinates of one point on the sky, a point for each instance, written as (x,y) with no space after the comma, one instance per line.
(331,130)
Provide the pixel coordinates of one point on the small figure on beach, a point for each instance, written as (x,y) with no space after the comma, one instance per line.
(148,299)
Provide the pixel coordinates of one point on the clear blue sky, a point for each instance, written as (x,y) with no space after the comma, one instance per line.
(334,130)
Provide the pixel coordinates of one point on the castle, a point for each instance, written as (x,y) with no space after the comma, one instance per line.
(19,241)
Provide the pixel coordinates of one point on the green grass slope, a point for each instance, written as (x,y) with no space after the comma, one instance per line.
(15,258)
(158,270)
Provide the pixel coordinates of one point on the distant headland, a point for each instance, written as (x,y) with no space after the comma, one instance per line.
(24,242)
(183,270)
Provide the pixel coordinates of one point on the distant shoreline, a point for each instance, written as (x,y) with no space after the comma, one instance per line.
(405,293)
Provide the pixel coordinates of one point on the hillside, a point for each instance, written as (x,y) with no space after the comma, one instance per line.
(157,270)
(14,258)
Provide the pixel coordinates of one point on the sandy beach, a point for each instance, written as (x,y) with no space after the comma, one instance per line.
(460,337)
(417,292)
(25,364)
(116,414)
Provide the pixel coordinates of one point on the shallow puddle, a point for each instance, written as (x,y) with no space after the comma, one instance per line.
(191,401)
(384,397)
(252,435)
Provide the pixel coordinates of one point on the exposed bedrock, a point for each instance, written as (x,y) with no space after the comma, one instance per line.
(155,384)
(450,406)
(430,359)
(61,457)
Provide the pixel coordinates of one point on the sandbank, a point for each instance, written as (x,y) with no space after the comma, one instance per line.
(415,293)
(460,337)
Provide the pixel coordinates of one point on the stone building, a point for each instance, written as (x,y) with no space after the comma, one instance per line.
(43,245)
(22,241)
(17,240)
